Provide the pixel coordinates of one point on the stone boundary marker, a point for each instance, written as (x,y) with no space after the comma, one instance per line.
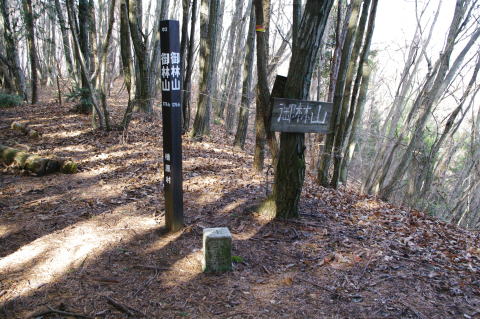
(217,250)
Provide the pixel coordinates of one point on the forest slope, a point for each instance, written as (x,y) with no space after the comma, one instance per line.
(71,242)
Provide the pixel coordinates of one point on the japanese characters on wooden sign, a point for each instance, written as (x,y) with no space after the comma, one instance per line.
(297,116)
(171,80)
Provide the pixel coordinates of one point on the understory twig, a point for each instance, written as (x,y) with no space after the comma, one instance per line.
(123,308)
(60,312)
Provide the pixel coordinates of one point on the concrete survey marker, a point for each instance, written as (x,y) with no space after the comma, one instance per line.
(217,250)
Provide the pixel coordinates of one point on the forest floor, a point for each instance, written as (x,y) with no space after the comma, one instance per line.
(91,243)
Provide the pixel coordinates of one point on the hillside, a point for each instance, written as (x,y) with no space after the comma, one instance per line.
(91,243)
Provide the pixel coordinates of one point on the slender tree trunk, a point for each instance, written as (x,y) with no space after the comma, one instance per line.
(12,52)
(433,88)
(208,28)
(279,56)
(102,64)
(82,62)
(53,46)
(229,62)
(242,126)
(339,92)
(92,38)
(340,34)
(297,16)
(236,74)
(428,171)
(383,159)
(155,59)
(351,122)
(143,80)
(262,15)
(127,61)
(214,102)
(342,124)
(403,89)
(187,84)
(29,24)
(82,34)
(360,105)
(184,39)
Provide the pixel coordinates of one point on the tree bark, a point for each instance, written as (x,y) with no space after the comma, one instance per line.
(187,83)
(12,52)
(262,15)
(143,80)
(184,36)
(242,126)
(343,123)
(340,33)
(82,34)
(234,86)
(323,169)
(154,61)
(229,62)
(127,61)
(297,16)
(278,56)
(82,62)
(32,50)
(214,102)
(208,28)
(290,169)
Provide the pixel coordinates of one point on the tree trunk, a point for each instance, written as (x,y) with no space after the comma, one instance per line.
(155,59)
(297,16)
(340,34)
(214,102)
(102,64)
(262,15)
(208,28)
(339,174)
(323,169)
(29,25)
(232,99)
(184,39)
(229,62)
(127,62)
(187,83)
(143,80)
(242,126)
(12,52)
(433,88)
(278,56)
(433,156)
(83,66)
(290,169)
(85,105)
(365,73)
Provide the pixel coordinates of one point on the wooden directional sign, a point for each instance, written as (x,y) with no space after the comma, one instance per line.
(172,127)
(296,116)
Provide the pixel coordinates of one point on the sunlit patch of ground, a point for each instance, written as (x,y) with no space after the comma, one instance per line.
(5,230)
(48,258)
(65,134)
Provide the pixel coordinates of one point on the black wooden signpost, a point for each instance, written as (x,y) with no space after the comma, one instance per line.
(172,126)
(297,116)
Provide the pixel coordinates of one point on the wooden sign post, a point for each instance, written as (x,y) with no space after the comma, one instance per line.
(172,123)
(297,116)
